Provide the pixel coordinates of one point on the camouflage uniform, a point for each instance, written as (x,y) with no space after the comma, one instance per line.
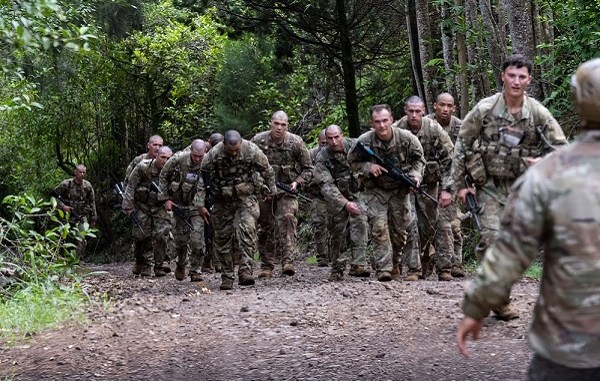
(136,160)
(236,181)
(151,245)
(338,185)
(451,212)
(82,199)
(554,204)
(483,150)
(385,201)
(291,162)
(319,221)
(437,150)
(180,182)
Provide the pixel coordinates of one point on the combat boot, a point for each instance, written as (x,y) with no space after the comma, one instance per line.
(137,268)
(445,276)
(395,273)
(384,276)
(166,267)
(180,273)
(159,272)
(265,273)
(245,278)
(359,271)
(336,276)
(411,277)
(458,272)
(226,284)
(146,270)
(195,276)
(288,269)
(506,313)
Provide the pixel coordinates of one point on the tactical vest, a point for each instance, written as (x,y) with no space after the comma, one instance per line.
(432,151)
(340,171)
(233,176)
(184,181)
(396,155)
(78,196)
(283,159)
(145,193)
(503,147)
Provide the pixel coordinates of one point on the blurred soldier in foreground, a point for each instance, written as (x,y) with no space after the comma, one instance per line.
(555,204)
(444,109)
(499,138)
(437,150)
(319,221)
(141,198)
(290,160)
(180,182)
(238,170)
(340,189)
(385,201)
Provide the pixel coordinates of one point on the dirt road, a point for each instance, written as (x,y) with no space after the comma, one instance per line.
(298,328)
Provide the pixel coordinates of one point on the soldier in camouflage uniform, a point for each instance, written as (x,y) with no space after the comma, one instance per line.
(385,201)
(444,108)
(340,189)
(239,171)
(437,149)
(290,160)
(210,257)
(554,204)
(141,198)
(154,143)
(180,183)
(78,193)
(320,220)
(499,138)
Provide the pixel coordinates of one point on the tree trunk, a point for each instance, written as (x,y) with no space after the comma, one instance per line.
(496,41)
(461,48)
(477,90)
(447,49)
(348,71)
(425,51)
(413,41)
(520,23)
(544,35)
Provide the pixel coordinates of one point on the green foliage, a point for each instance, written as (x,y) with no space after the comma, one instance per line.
(37,245)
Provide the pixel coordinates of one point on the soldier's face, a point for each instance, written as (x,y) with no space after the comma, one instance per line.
(232,150)
(278,127)
(381,122)
(80,173)
(335,140)
(444,108)
(162,158)
(322,140)
(197,156)
(154,146)
(516,80)
(414,114)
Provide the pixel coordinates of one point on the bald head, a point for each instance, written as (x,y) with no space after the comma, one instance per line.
(444,107)
(215,139)
(279,126)
(163,155)
(232,137)
(335,138)
(154,143)
(414,108)
(80,172)
(322,139)
(197,150)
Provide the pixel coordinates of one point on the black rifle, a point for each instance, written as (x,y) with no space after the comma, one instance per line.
(118,189)
(472,206)
(74,214)
(177,210)
(286,188)
(394,173)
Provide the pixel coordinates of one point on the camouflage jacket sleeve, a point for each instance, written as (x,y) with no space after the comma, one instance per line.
(305,164)
(514,250)
(416,157)
(166,173)
(358,162)
(552,132)
(131,166)
(264,168)
(207,166)
(324,180)
(62,190)
(467,135)
(132,183)
(445,155)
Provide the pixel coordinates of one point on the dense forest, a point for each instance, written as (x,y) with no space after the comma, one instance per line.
(89,81)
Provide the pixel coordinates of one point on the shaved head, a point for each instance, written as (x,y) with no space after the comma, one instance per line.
(198,146)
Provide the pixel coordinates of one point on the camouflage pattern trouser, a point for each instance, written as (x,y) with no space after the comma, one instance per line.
(151,245)
(346,228)
(234,224)
(184,237)
(319,224)
(491,198)
(388,215)
(542,369)
(277,233)
(450,213)
(81,244)
(411,253)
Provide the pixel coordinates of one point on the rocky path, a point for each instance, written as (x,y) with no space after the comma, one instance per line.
(299,328)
